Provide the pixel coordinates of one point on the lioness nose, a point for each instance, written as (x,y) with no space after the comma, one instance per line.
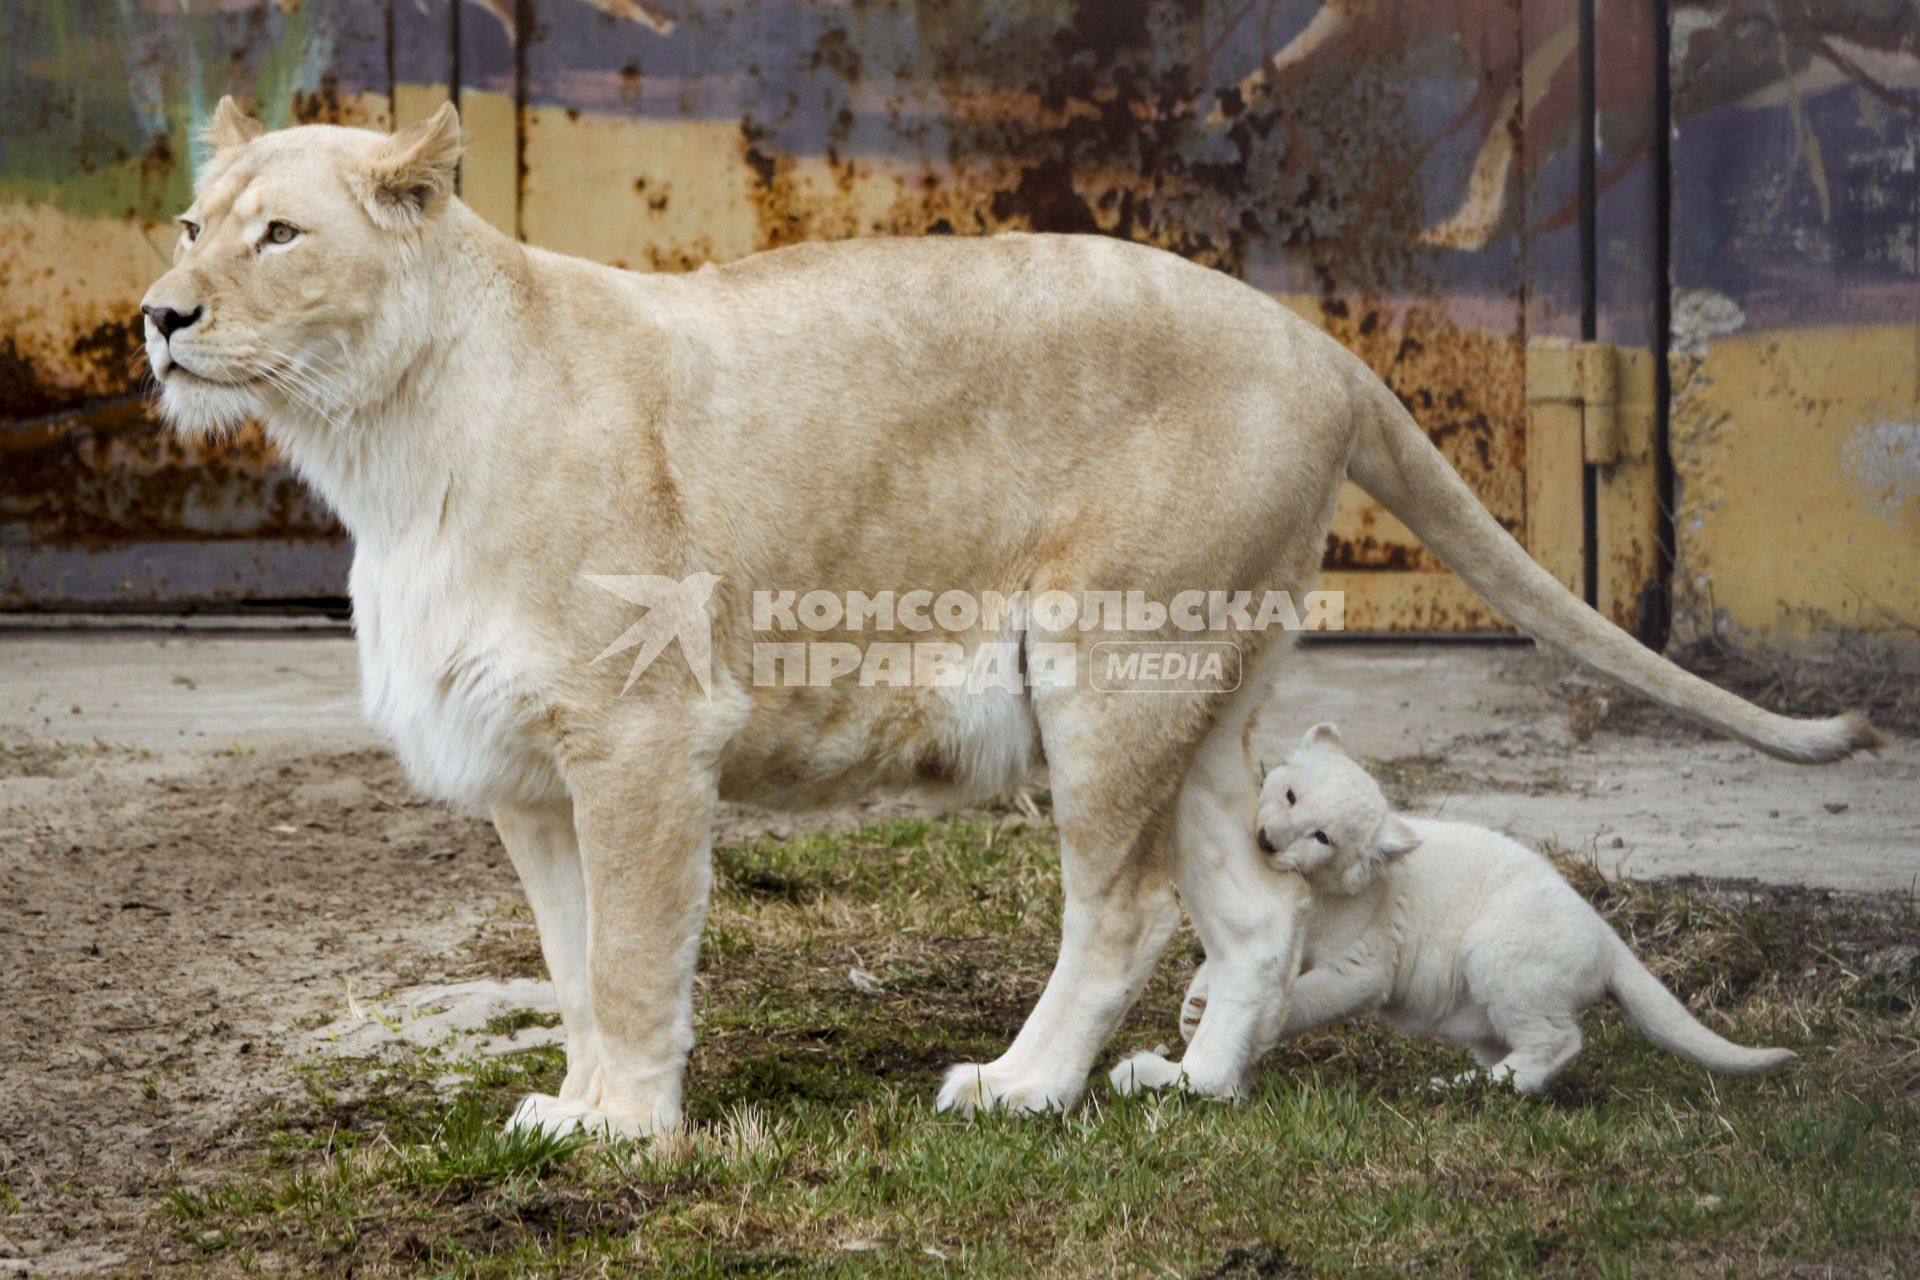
(170,321)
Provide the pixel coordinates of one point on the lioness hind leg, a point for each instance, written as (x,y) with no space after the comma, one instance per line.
(546,853)
(1114,766)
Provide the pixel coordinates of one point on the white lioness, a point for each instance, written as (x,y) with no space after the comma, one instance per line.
(1442,929)
(512,436)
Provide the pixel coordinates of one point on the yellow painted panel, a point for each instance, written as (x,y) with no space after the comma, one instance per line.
(490,170)
(1797,457)
(1556,522)
(413,103)
(1384,602)
(648,194)
(70,290)
(1627,495)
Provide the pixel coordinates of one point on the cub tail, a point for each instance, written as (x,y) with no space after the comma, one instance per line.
(1665,1021)
(1394,461)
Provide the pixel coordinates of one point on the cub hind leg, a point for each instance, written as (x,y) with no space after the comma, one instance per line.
(1542,1044)
(1488,1053)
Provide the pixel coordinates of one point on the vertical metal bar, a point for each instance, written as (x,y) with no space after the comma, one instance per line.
(456,83)
(1655,611)
(1589,264)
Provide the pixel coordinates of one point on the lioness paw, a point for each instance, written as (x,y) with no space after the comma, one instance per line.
(1145,1070)
(544,1113)
(971,1087)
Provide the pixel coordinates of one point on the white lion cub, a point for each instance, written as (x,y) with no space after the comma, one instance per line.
(1447,930)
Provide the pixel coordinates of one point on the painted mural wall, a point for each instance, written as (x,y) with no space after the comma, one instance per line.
(1408,175)
(1796,349)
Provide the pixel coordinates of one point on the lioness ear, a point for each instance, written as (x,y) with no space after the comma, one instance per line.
(225,133)
(410,175)
(1325,735)
(1397,838)
(231,128)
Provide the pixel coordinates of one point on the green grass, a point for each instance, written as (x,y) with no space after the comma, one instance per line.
(814,1150)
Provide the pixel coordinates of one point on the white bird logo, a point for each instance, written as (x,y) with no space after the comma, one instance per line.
(675,611)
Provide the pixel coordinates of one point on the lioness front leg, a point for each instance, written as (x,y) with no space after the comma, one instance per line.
(645,819)
(545,851)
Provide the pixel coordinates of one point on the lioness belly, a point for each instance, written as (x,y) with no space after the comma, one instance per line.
(813,746)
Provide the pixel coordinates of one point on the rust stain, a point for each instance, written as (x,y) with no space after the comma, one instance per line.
(112,474)
(1091,117)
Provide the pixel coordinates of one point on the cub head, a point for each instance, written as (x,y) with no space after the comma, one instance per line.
(1323,816)
(297,281)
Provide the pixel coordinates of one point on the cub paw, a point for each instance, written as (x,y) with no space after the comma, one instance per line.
(1148,1069)
(1190,1014)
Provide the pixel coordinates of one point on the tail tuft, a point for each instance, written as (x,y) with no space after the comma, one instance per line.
(1865,736)
(1819,741)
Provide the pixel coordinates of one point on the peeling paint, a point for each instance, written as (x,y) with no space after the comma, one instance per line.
(1700,316)
(1883,459)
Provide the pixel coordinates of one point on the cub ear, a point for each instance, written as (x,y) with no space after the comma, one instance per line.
(1397,838)
(231,128)
(409,176)
(1325,735)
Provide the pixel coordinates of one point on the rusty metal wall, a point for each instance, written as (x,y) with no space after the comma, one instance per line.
(1408,175)
(1796,327)
(98,105)
(1324,153)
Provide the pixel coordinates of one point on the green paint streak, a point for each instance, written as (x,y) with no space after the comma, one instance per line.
(100,108)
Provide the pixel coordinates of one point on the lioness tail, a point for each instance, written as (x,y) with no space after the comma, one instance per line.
(1395,462)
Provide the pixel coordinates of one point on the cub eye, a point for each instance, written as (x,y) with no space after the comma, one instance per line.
(191,230)
(1321,836)
(281,232)
(1289,795)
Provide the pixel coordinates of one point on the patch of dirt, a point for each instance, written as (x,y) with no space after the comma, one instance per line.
(177,926)
(166,932)
(1858,672)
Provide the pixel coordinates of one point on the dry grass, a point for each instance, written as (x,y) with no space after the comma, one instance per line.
(1855,670)
(812,1148)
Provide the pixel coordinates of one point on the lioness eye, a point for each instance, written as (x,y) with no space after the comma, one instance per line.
(190,229)
(1289,795)
(1321,836)
(281,232)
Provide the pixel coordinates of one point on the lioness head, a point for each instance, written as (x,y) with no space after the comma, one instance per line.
(295,281)
(1323,816)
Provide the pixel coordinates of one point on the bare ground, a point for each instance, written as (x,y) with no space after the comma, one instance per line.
(201,849)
